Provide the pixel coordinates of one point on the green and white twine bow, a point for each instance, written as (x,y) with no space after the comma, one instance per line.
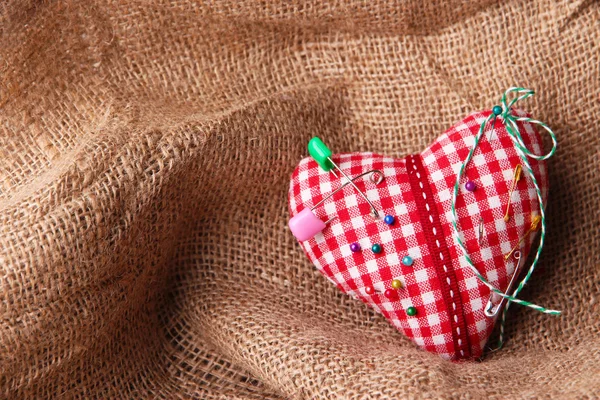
(510,121)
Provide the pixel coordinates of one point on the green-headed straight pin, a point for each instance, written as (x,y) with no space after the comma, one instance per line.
(322,155)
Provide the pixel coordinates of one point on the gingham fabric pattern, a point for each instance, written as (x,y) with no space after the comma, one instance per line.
(447,323)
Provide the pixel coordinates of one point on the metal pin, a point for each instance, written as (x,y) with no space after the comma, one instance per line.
(516,178)
(481,229)
(390,293)
(496,301)
(376,177)
(496,110)
(322,155)
(306,224)
(535,222)
(493,129)
(351,181)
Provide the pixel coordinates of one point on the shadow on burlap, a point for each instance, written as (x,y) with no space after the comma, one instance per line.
(146,153)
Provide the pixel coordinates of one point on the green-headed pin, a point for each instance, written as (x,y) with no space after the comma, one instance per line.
(320,153)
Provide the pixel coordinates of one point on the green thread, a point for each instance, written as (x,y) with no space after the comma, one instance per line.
(512,129)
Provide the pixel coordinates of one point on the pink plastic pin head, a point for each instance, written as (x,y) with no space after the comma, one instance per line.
(305,225)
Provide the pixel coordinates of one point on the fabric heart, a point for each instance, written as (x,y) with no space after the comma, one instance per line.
(437,285)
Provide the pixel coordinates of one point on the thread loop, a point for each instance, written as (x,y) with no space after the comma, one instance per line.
(510,122)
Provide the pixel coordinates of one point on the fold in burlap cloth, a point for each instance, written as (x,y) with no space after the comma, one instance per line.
(146,151)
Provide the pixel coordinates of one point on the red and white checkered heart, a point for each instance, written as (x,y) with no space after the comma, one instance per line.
(448,298)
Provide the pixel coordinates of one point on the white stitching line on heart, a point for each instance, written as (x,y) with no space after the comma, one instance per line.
(441,255)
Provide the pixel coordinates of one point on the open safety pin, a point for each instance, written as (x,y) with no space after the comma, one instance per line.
(306,224)
(376,177)
(496,301)
(322,155)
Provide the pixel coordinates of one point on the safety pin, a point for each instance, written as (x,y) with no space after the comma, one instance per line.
(491,308)
(306,224)
(535,222)
(322,155)
(516,178)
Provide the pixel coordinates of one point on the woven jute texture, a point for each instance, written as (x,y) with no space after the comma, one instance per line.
(146,150)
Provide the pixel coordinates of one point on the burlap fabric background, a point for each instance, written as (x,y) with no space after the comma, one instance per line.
(146,151)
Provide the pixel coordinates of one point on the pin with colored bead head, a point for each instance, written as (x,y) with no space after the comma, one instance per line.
(305,225)
(390,293)
(496,111)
